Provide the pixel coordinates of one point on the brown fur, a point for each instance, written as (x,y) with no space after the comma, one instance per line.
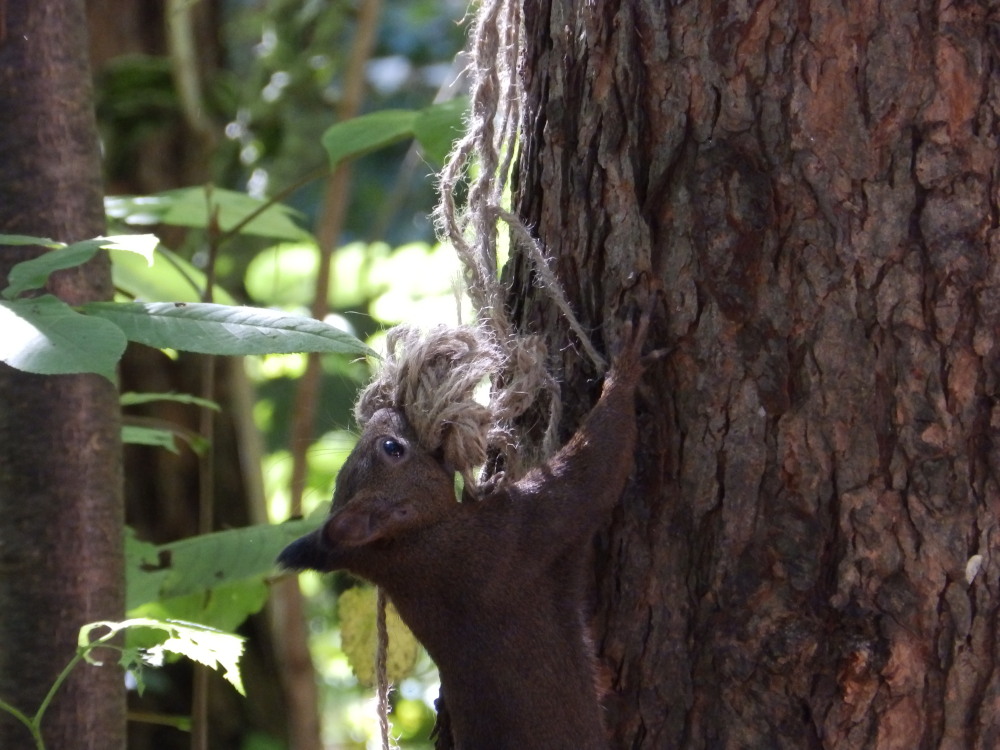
(493,588)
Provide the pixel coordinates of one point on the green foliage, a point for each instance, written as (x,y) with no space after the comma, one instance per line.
(434,127)
(32,274)
(285,59)
(46,336)
(161,437)
(228,211)
(166,276)
(213,648)
(208,646)
(223,329)
(133,399)
(216,579)
(196,564)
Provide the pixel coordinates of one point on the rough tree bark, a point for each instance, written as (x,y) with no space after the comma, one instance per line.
(61,561)
(808,555)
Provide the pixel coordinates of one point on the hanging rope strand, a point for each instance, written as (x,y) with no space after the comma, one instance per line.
(381,669)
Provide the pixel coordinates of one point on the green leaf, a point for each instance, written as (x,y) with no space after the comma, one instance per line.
(437,127)
(24,239)
(34,273)
(152,436)
(144,572)
(224,329)
(225,607)
(168,277)
(200,563)
(195,206)
(361,135)
(45,335)
(143,245)
(163,437)
(130,398)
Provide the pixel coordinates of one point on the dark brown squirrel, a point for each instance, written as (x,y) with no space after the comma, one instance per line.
(493,588)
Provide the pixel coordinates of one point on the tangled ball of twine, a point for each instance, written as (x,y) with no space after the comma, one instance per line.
(436,380)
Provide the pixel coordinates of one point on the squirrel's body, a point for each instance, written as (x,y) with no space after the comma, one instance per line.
(492,587)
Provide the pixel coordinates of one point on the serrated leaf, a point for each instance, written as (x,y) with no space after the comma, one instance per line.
(366,133)
(195,206)
(438,126)
(213,648)
(224,329)
(46,336)
(216,650)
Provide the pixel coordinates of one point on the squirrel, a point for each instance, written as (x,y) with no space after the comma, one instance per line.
(493,588)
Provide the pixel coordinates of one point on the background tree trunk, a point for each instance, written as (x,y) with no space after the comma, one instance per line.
(61,561)
(808,554)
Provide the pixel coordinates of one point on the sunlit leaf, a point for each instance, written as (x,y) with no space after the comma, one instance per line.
(284,274)
(143,245)
(224,329)
(208,646)
(356,612)
(45,335)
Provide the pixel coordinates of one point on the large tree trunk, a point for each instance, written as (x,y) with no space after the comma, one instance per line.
(61,561)
(808,554)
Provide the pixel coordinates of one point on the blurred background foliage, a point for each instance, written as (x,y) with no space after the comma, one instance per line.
(238,94)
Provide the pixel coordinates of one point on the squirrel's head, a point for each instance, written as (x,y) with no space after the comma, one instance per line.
(388,489)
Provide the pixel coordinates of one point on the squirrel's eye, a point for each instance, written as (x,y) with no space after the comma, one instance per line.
(393,448)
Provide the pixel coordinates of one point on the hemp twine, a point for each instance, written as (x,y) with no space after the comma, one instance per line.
(432,378)
(381,667)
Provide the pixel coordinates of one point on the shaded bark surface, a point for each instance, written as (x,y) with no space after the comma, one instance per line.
(61,561)
(808,555)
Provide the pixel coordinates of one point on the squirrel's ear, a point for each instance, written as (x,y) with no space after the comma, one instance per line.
(351,528)
(355,527)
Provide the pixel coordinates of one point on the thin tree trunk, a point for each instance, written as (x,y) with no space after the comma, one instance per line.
(808,556)
(61,557)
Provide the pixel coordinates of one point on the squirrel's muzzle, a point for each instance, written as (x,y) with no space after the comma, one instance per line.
(305,553)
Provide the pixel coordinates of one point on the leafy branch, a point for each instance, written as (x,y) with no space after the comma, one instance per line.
(207,646)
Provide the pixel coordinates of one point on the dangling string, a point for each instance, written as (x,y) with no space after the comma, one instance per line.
(381,670)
